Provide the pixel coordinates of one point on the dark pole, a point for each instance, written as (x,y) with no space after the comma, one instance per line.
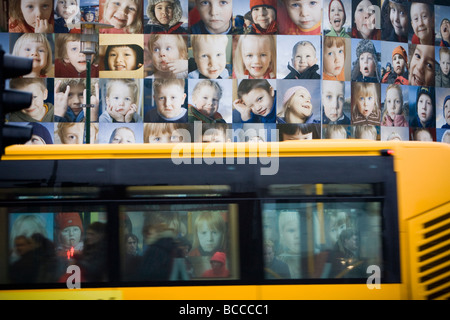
(88,99)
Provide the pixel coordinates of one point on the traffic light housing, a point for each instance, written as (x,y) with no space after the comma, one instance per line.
(13,100)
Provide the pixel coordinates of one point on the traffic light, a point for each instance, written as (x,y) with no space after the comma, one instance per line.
(13,100)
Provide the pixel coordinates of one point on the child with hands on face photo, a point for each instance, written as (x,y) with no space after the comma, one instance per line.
(256,102)
(39,110)
(70,95)
(29,16)
(169,56)
(121,101)
(68,12)
(364,20)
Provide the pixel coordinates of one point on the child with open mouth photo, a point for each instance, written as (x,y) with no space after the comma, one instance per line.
(366,66)
(337,17)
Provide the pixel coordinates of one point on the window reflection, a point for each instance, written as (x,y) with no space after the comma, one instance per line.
(43,245)
(321,240)
(185,242)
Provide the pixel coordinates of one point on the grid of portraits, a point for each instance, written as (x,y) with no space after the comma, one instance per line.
(218,70)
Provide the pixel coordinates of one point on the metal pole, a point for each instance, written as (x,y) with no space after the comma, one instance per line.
(88,99)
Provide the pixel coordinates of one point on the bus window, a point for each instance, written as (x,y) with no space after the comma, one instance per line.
(180,242)
(43,245)
(313,240)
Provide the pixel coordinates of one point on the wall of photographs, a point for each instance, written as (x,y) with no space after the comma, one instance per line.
(375,69)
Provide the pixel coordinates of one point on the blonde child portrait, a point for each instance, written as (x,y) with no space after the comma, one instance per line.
(303,17)
(296,107)
(206,98)
(210,55)
(169,97)
(366,131)
(165,133)
(169,56)
(334,58)
(394,110)
(39,110)
(29,16)
(365,103)
(255,57)
(37,47)
(335,131)
(122,101)
(209,234)
(122,135)
(124,15)
(304,61)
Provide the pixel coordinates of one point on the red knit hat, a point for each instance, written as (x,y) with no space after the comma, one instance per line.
(268,3)
(220,257)
(69,219)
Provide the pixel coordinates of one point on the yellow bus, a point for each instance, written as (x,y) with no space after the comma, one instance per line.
(236,221)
